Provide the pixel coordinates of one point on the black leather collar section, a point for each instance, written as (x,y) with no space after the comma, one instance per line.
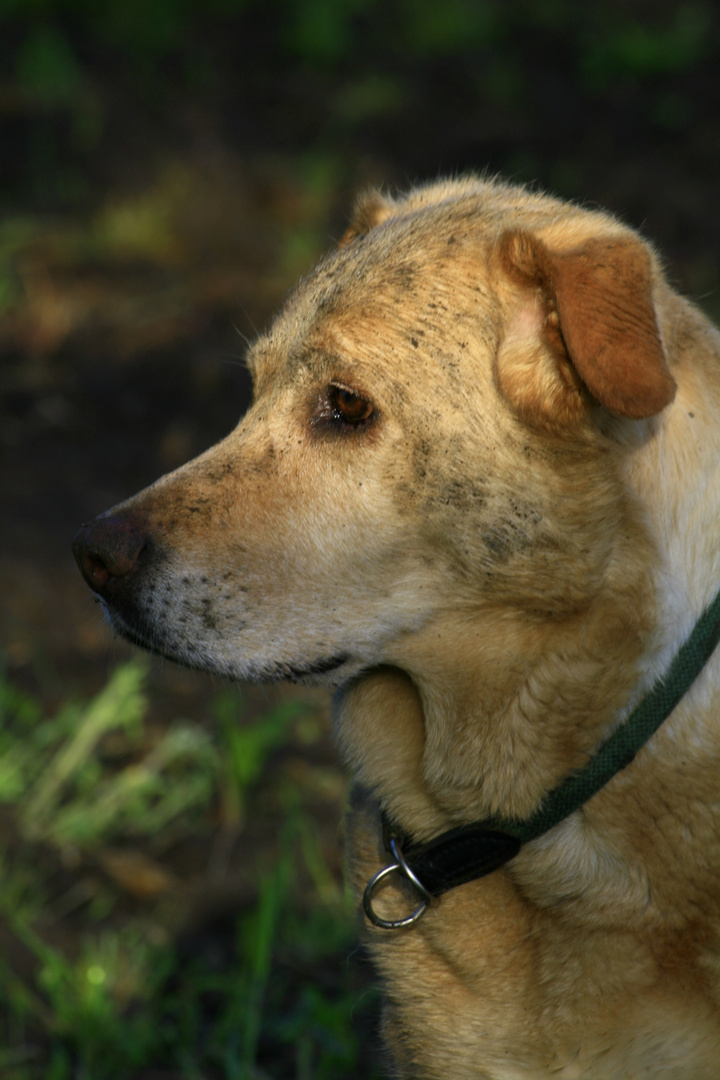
(455,857)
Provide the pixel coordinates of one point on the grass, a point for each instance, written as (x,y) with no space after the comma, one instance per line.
(93,987)
(51,772)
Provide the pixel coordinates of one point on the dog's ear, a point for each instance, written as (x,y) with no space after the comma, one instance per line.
(591,312)
(371,209)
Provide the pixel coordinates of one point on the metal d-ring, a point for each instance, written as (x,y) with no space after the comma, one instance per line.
(400,866)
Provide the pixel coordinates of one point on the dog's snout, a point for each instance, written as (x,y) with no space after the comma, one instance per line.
(107,550)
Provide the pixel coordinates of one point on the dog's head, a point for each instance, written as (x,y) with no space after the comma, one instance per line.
(429,437)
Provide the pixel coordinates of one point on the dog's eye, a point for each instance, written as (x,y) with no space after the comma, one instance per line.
(351,408)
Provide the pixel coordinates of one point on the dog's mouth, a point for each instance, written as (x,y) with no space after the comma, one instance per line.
(188,654)
(147,637)
(302,672)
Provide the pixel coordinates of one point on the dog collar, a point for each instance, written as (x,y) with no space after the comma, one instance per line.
(472,851)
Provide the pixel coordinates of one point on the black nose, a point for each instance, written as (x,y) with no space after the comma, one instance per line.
(107,550)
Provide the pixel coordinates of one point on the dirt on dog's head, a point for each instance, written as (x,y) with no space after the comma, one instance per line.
(390,463)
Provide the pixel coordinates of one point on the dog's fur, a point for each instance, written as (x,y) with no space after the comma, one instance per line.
(478,492)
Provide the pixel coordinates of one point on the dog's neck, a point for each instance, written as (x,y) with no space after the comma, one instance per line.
(515,704)
(571,859)
(445,747)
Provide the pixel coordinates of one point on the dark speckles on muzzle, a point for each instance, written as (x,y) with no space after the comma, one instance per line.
(207,615)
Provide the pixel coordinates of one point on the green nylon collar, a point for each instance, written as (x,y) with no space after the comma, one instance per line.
(472,851)
(622,746)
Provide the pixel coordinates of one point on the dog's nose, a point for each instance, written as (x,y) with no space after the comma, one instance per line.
(107,550)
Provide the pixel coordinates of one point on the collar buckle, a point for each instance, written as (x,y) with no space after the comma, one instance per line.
(454,858)
(401,867)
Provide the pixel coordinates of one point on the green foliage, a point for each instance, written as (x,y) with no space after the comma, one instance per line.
(456,26)
(74,65)
(64,793)
(246,749)
(122,999)
(618,37)
(318,176)
(320,30)
(80,1002)
(124,1003)
(629,47)
(46,66)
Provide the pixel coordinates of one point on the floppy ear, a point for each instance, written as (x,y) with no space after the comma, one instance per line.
(371,209)
(594,311)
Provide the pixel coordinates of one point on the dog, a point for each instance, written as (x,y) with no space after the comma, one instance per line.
(477,495)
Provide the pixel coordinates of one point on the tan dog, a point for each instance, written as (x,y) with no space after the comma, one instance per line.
(478,491)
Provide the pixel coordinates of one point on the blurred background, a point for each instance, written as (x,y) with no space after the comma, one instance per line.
(171,898)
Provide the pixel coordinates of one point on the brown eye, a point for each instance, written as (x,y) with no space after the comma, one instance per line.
(351,408)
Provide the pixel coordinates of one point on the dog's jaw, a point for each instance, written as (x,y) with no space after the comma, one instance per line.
(327,671)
